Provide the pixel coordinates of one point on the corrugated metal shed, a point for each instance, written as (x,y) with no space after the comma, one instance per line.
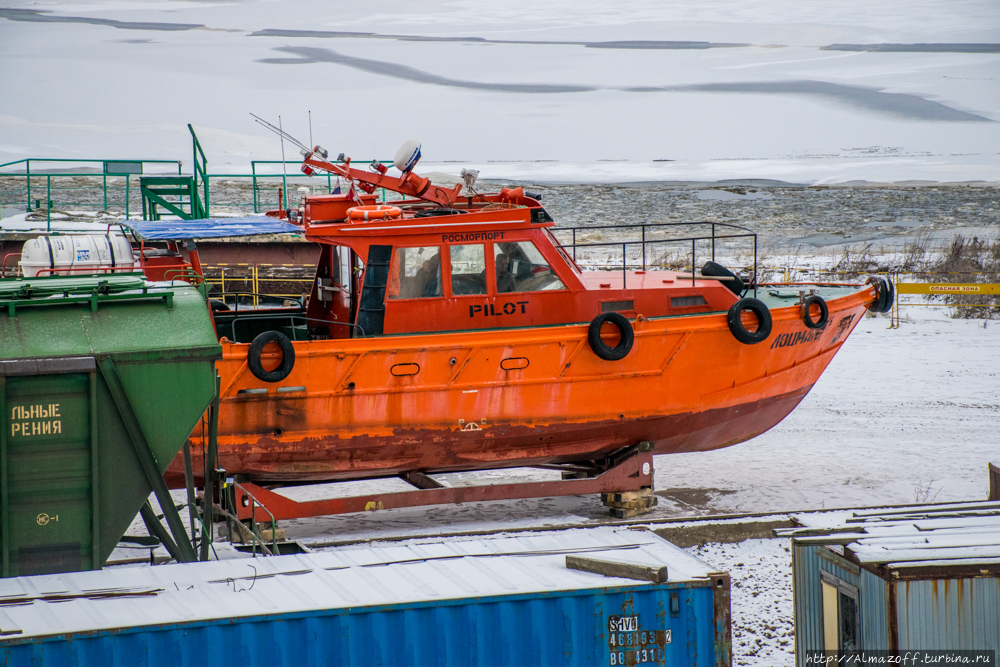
(506,600)
(914,578)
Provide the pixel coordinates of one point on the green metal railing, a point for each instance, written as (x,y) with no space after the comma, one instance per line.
(200,170)
(108,170)
(115,188)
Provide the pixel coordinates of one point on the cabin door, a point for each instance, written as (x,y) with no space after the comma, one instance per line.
(333,304)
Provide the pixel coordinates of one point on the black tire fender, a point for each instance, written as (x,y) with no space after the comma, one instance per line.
(735,285)
(876,305)
(287,353)
(885,294)
(824,312)
(740,332)
(602,349)
(890,295)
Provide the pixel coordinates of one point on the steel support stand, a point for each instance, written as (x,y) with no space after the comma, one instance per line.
(629,469)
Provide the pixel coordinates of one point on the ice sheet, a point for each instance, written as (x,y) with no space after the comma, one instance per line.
(601,91)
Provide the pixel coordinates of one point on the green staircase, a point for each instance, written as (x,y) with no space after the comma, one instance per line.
(178,195)
(182,192)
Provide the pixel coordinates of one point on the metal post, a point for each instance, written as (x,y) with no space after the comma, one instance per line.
(755,266)
(644,247)
(189,483)
(574,245)
(253,173)
(48,203)
(692,262)
(208,502)
(28,172)
(105,191)
(95,481)
(713,241)
(624,267)
(127,181)
(256,286)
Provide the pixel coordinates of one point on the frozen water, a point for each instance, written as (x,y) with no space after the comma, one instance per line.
(568,92)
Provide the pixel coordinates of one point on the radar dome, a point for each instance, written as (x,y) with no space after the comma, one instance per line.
(407,156)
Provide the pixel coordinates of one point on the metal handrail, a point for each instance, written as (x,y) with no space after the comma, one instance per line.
(260,294)
(644,242)
(48,176)
(291,320)
(3,267)
(253,524)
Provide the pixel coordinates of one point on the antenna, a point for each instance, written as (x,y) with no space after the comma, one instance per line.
(281,133)
(284,168)
(311,129)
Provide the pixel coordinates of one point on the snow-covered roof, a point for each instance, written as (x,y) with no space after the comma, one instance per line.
(942,536)
(414,571)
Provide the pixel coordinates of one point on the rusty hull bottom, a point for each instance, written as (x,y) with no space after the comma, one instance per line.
(270,461)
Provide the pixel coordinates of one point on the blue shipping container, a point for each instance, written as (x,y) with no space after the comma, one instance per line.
(507,600)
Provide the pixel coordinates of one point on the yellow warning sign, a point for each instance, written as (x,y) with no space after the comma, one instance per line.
(947,288)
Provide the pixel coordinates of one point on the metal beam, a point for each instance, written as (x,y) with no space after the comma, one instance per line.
(632,470)
(146,459)
(208,500)
(189,485)
(157,530)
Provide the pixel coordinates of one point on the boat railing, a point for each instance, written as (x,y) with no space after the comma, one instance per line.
(718,231)
(294,321)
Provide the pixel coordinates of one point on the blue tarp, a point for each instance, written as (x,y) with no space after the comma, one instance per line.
(209,228)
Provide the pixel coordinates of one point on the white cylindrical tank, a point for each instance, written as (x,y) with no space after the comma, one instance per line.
(74,254)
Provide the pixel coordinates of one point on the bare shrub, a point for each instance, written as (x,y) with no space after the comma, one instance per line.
(855,263)
(959,262)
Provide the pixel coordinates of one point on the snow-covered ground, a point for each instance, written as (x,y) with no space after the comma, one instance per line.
(761,599)
(555,91)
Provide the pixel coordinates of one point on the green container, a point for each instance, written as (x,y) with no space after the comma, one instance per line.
(99,375)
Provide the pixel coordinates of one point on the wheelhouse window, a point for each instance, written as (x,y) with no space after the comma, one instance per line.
(415,273)
(468,269)
(521,267)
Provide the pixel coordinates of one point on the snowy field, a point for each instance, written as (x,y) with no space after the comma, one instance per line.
(557,91)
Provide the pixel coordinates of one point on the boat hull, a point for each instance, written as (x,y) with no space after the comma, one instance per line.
(365,408)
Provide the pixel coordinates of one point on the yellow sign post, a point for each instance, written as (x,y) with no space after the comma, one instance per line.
(939,289)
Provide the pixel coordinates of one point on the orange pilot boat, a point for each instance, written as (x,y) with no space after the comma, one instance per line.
(448,332)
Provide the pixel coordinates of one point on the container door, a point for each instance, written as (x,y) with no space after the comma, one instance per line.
(48,468)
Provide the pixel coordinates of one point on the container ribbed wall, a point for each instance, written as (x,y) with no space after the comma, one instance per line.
(550,628)
(949,614)
(874,594)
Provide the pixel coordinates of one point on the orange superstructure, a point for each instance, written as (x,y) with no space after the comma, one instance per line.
(460,333)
